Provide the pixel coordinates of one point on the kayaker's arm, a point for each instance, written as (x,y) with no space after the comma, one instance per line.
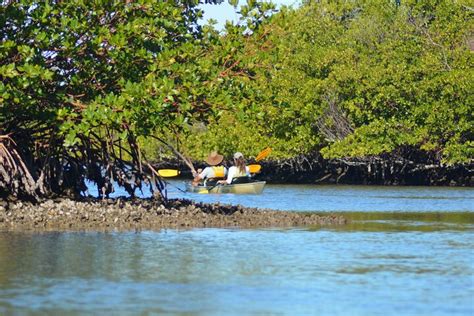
(230,176)
(197,177)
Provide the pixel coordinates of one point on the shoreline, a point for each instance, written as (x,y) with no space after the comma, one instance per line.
(313,169)
(123,214)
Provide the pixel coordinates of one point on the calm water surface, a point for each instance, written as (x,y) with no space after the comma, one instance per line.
(407,251)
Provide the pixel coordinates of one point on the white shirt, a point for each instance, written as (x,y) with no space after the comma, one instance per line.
(234,172)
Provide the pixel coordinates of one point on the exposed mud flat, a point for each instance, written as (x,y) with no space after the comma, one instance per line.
(147,214)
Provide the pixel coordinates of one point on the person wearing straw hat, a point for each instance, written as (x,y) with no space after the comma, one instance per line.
(213,172)
(239,173)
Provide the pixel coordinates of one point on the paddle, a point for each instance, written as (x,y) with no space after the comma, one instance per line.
(254,168)
(163,173)
(209,189)
(263,154)
(168,173)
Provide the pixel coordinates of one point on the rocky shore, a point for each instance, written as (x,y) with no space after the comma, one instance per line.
(147,214)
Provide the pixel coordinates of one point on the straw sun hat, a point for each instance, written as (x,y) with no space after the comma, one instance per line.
(214,158)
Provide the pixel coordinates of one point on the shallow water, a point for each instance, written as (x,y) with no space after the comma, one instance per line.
(407,251)
(341,198)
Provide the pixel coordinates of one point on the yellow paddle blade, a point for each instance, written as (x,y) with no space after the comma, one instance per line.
(167,173)
(263,154)
(254,168)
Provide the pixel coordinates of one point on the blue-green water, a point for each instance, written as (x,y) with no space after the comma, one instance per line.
(407,251)
(346,198)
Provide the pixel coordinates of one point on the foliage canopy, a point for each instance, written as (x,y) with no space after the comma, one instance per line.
(355,79)
(88,87)
(82,82)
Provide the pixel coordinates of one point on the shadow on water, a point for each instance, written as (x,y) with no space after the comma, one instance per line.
(406,221)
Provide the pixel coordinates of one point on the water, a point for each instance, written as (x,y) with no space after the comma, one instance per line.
(340,198)
(346,198)
(407,251)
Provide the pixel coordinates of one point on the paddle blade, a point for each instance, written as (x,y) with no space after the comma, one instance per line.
(254,168)
(168,173)
(263,154)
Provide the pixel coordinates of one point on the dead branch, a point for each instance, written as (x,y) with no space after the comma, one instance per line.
(333,124)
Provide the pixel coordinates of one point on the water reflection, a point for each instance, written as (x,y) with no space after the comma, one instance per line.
(238,271)
(407,221)
(405,251)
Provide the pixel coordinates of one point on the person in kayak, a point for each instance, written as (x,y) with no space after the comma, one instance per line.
(213,172)
(239,173)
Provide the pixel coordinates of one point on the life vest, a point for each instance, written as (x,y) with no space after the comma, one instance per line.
(218,171)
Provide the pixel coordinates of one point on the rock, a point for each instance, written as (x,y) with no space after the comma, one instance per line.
(150,214)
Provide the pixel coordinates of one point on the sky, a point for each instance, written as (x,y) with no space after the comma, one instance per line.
(225,11)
